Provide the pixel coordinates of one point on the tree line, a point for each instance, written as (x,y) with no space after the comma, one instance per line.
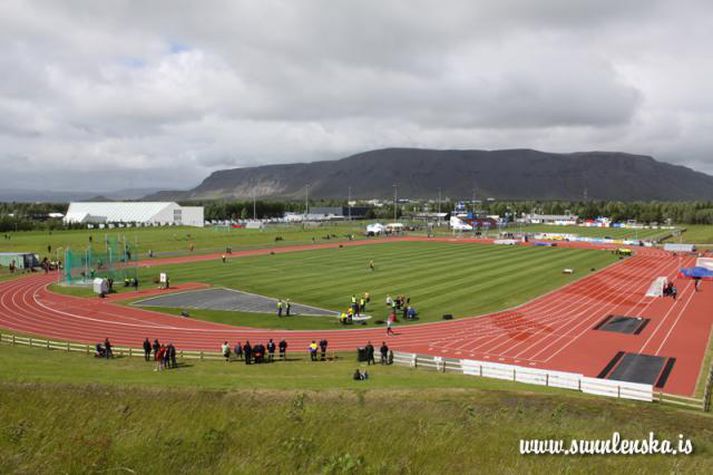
(33,216)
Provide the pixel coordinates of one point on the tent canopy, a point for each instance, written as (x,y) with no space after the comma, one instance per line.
(696,273)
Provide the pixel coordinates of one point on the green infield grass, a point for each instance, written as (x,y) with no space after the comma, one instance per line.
(460,279)
(695,234)
(176,240)
(440,278)
(70,413)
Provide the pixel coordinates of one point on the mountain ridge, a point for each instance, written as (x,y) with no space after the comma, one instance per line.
(419,173)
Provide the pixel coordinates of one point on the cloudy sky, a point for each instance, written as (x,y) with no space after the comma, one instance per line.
(104,95)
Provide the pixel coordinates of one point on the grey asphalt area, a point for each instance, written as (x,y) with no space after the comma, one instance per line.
(228,299)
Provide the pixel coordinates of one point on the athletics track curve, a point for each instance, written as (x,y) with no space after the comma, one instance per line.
(553,331)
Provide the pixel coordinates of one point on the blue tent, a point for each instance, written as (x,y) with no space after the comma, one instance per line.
(696,273)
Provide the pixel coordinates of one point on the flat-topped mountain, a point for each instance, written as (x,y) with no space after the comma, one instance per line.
(502,174)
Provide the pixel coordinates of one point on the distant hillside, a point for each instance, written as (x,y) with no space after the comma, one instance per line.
(502,174)
(29,196)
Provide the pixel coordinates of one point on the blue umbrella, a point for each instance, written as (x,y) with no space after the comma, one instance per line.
(696,272)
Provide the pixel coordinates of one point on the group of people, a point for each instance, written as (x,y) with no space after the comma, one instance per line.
(163,355)
(312,349)
(355,309)
(386,355)
(283,306)
(257,353)
(401,303)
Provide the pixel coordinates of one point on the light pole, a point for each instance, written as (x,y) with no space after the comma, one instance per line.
(349,202)
(306,200)
(254,207)
(439,207)
(396,187)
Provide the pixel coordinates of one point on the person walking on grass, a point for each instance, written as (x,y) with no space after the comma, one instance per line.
(372,267)
(147,349)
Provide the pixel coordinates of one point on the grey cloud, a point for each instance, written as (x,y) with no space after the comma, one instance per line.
(113,93)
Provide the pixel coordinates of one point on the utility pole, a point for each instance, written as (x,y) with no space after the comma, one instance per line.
(396,187)
(439,207)
(306,200)
(349,202)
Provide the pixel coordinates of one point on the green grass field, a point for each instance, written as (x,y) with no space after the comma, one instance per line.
(70,413)
(175,239)
(695,234)
(461,279)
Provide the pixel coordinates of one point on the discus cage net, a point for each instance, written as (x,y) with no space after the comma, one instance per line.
(115,258)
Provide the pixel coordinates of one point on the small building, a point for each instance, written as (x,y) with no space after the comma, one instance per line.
(139,212)
(338,212)
(21,260)
(555,219)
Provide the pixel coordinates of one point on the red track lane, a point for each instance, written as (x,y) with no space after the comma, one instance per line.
(553,331)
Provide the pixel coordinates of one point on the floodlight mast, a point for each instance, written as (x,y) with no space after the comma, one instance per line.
(396,187)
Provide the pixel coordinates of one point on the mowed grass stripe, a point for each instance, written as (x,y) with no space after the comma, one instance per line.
(439,277)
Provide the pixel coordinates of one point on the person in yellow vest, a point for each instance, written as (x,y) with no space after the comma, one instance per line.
(279,308)
(343,318)
(362,304)
(313,351)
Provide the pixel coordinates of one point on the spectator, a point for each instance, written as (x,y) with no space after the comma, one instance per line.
(239,351)
(167,357)
(323,348)
(156,347)
(107,349)
(271,348)
(172,355)
(313,351)
(226,351)
(248,351)
(370,354)
(159,358)
(283,349)
(384,350)
(147,350)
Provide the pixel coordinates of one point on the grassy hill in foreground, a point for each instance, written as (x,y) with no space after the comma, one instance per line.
(68,413)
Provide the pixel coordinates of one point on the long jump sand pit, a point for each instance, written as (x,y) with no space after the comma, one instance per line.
(228,300)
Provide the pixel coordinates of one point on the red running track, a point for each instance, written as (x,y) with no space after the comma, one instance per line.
(553,331)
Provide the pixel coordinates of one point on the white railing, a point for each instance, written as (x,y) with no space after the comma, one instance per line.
(544,377)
